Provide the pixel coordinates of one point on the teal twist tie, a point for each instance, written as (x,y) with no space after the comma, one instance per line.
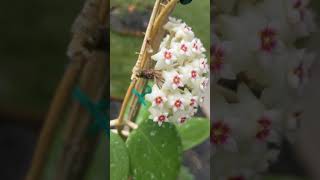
(98,111)
(141,96)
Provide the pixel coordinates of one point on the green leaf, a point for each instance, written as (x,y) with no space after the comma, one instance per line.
(155,152)
(193,132)
(54,152)
(97,168)
(119,160)
(185,174)
(143,113)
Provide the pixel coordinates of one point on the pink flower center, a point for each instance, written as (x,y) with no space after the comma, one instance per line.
(297,4)
(194,74)
(176,80)
(268,39)
(204,84)
(158,100)
(218,58)
(183,119)
(162,118)
(187,28)
(195,46)
(220,132)
(203,64)
(167,55)
(299,7)
(184,48)
(263,128)
(299,72)
(178,103)
(193,102)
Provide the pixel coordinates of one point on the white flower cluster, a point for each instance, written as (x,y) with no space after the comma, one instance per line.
(184,68)
(257,44)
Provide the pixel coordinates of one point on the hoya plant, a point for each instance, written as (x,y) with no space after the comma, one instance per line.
(259,66)
(157,122)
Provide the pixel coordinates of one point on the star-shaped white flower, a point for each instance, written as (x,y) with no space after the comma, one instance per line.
(262,124)
(220,60)
(197,46)
(183,49)
(191,73)
(203,65)
(259,41)
(191,100)
(297,10)
(296,17)
(180,117)
(266,127)
(224,123)
(164,57)
(267,43)
(172,24)
(177,102)
(199,85)
(156,97)
(299,68)
(184,32)
(204,82)
(293,121)
(159,116)
(300,17)
(173,79)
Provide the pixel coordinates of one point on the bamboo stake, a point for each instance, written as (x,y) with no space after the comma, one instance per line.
(76,150)
(152,39)
(156,35)
(137,67)
(54,114)
(78,53)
